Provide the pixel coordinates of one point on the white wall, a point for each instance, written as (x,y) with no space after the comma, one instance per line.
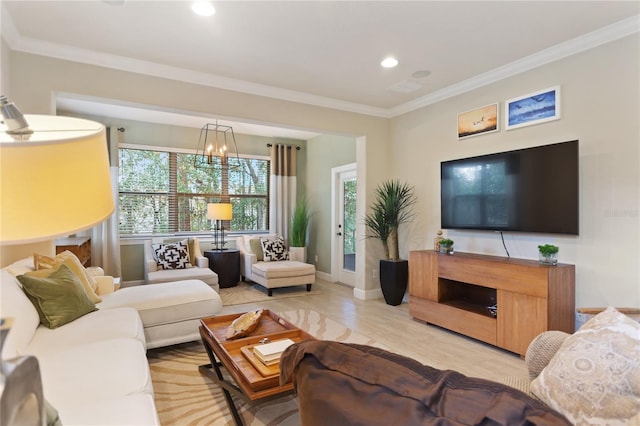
(600,107)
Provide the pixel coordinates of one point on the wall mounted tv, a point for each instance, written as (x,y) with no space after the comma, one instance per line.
(526,190)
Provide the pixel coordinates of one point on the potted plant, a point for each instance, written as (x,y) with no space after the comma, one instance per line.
(300,218)
(548,254)
(446,246)
(392,207)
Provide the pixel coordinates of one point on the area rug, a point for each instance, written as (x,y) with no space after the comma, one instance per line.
(185,397)
(246,292)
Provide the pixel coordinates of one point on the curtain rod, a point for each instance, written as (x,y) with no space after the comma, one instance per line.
(269,145)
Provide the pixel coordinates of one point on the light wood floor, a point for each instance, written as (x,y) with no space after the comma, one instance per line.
(393,327)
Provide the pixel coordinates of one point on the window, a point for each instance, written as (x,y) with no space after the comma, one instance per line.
(164,193)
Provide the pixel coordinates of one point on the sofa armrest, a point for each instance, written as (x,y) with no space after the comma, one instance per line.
(95,271)
(201,262)
(105,285)
(542,349)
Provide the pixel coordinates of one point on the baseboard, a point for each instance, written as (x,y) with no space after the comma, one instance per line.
(367,294)
(325,277)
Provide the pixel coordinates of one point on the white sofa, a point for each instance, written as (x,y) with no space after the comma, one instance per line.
(94,369)
(272,274)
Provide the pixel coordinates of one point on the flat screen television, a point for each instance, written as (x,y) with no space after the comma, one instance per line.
(527,190)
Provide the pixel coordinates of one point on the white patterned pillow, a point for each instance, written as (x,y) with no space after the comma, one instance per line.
(172,255)
(594,378)
(274,249)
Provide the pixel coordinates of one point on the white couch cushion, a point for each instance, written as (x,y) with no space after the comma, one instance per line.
(130,410)
(95,371)
(283,269)
(168,302)
(171,275)
(15,304)
(97,326)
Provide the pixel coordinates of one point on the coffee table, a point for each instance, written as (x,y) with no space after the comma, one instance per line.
(249,383)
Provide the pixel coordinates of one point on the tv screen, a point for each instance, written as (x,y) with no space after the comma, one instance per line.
(526,190)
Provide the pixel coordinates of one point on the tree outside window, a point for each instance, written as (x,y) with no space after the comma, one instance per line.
(164,193)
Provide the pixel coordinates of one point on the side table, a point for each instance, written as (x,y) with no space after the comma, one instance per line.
(225,263)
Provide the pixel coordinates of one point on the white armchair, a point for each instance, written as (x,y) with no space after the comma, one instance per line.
(273,274)
(199,270)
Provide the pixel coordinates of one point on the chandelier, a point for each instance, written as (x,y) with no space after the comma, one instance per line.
(215,144)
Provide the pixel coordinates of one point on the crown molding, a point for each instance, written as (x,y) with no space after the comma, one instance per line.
(579,44)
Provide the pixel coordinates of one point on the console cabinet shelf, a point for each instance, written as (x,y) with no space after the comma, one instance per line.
(456,291)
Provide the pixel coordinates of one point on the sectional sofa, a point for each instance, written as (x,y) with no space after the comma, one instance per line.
(94,368)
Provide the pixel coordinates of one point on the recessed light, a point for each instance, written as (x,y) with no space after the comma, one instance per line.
(389,62)
(203,8)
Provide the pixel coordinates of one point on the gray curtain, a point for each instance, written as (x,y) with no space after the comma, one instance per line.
(283,188)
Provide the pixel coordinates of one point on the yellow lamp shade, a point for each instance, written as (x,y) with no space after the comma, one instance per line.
(56,182)
(219,211)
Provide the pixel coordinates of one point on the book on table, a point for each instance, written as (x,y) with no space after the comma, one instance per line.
(270,353)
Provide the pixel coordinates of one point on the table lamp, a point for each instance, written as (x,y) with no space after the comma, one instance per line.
(219,212)
(54,181)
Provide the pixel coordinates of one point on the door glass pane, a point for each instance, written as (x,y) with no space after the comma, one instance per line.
(349,229)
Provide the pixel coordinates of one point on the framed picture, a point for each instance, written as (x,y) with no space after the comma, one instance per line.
(534,108)
(478,121)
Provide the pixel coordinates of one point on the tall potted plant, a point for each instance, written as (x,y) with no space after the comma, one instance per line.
(300,218)
(391,208)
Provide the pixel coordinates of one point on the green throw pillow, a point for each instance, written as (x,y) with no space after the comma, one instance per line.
(256,248)
(58,298)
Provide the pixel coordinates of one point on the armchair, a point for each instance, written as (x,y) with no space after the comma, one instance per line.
(271,274)
(154,274)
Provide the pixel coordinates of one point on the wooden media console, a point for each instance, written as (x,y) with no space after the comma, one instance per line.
(456,291)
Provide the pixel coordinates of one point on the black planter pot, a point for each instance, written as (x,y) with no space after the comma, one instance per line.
(394,275)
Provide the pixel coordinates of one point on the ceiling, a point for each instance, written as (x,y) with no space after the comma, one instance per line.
(323,53)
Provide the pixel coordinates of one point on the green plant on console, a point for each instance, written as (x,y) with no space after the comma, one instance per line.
(548,249)
(446,242)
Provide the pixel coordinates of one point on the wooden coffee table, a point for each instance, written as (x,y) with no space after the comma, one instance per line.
(250,384)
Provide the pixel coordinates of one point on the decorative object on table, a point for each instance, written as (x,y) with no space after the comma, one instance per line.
(391,208)
(534,108)
(269,353)
(75,152)
(437,239)
(478,121)
(446,246)
(548,254)
(244,324)
(300,218)
(219,212)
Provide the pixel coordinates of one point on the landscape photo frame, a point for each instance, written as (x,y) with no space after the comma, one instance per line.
(534,108)
(478,121)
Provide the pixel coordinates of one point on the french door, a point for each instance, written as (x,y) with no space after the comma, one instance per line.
(344,222)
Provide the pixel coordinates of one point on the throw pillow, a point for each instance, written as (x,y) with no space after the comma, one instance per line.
(42,262)
(256,248)
(274,250)
(193,245)
(172,255)
(594,378)
(58,298)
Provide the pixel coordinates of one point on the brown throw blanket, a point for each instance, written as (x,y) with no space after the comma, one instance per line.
(348,384)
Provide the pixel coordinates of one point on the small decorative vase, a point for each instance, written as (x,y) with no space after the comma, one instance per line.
(446,249)
(549,259)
